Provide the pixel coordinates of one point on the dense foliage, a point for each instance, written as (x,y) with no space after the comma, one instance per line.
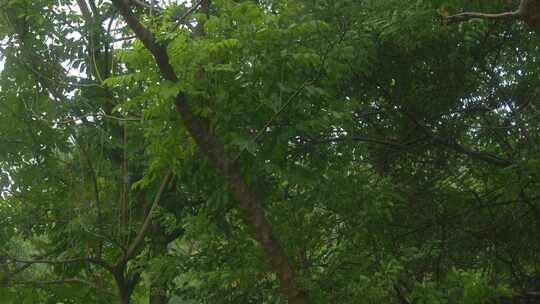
(267,151)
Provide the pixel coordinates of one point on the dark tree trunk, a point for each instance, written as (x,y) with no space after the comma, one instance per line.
(158,285)
(124,295)
(125,286)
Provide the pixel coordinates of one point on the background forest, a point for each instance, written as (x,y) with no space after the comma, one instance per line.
(267,151)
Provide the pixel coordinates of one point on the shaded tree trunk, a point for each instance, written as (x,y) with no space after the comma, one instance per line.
(124,294)
(125,284)
(158,285)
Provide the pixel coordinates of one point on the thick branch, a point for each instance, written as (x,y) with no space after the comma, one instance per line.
(207,141)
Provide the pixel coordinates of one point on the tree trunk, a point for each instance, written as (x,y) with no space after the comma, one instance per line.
(158,285)
(124,295)
(209,144)
(124,288)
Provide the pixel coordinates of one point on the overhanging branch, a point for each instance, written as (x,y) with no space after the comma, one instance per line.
(528,11)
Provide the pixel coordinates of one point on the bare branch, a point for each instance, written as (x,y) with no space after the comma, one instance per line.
(393,144)
(457,18)
(528,11)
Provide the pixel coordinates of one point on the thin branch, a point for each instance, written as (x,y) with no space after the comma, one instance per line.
(94,261)
(64,281)
(452,144)
(393,144)
(95,185)
(462,17)
(84,117)
(146,225)
(484,156)
(7,277)
(67,82)
(124,38)
(272,119)
(191,10)
(145,5)
(50,262)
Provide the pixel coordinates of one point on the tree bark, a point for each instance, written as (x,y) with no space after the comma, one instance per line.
(207,141)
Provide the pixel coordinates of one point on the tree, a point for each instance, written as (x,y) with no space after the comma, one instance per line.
(267,151)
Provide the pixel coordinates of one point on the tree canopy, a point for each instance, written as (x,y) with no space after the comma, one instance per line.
(269,151)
